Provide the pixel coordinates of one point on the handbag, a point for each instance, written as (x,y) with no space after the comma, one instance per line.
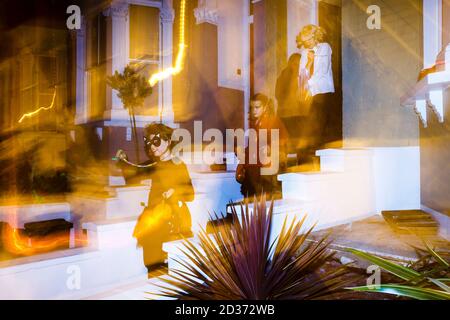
(240,173)
(153,220)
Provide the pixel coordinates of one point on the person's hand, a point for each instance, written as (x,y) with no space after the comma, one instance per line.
(169,193)
(121,155)
(240,173)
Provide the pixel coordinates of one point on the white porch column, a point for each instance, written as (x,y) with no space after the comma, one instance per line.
(432,31)
(167,17)
(118,52)
(81,82)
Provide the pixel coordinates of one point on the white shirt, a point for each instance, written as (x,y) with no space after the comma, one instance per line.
(322,79)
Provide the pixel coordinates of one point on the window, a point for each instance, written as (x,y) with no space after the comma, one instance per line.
(145,49)
(97,41)
(144,33)
(96,62)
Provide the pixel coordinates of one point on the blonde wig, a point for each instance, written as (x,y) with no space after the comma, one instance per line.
(312,30)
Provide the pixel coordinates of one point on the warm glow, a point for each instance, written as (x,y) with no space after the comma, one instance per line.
(174,70)
(19,245)
(151,221)
(32,114)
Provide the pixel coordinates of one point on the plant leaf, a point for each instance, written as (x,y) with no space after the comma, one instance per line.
(406,291)
(397,270)
(440,284)
(436,256)
(238,260)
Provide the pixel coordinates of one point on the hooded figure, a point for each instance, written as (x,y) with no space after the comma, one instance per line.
(291,92)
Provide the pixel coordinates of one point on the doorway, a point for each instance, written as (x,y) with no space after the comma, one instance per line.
(330,18)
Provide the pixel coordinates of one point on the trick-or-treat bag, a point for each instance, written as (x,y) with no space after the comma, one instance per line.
(154,221)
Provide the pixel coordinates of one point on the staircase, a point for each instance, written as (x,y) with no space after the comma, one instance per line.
(117,203)
(342,192)
(353,184)
(415,222)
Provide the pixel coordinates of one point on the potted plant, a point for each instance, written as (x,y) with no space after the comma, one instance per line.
(237,261)
(132,90)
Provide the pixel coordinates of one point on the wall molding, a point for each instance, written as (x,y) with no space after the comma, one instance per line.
(117,10)
(206,15)
(167,15)
(420,109)
(437,104)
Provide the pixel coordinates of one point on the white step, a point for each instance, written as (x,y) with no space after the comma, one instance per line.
(111,259)
(18,215)
(213,192)
(344,190)
(354,184)
(124,202)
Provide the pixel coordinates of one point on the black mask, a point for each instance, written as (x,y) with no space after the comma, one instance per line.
(156,141)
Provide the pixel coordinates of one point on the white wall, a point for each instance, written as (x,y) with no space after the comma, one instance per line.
(397,178)
(232,40)
(432,31)
(379,67)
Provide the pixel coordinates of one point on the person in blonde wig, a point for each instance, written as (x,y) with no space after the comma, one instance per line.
(313,31)
(316,85)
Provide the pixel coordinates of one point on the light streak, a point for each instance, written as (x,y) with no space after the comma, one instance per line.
(174,70)
(32,114)
(19,245)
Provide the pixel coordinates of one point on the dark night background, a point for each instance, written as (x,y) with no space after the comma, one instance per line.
(48,13)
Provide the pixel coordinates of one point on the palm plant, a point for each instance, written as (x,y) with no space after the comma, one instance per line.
(237,261)
(132,89)
(426,279)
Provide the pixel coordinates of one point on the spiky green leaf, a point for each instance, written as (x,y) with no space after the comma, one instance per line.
(406,291)
(404,273)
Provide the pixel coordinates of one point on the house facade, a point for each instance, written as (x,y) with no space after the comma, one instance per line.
(387,139)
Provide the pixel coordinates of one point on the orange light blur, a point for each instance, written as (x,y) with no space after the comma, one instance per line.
(152,220)
(174,70)
(19,245)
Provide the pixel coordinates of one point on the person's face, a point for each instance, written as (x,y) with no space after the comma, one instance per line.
(308,41)
(156,145)
(257,109)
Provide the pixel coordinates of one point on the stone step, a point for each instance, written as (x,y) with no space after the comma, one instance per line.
(411,221)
